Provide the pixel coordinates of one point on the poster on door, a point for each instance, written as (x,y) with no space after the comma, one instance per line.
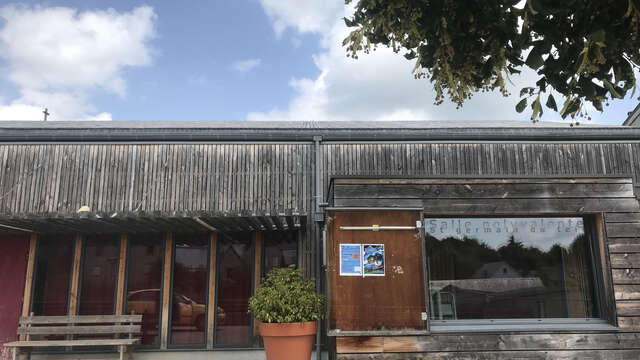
(373,259)
(350,260)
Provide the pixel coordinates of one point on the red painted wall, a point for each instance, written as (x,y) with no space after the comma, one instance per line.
(14,251)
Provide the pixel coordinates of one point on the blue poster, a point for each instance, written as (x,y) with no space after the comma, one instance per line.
(373,259)
(350,260)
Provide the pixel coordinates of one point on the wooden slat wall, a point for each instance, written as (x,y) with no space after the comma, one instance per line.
(490,160)
(611,198)
(167,179)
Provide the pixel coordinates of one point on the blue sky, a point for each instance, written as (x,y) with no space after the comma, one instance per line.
(213,60)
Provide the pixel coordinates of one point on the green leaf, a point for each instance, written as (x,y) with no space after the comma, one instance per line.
(598,36)
(534,59)
(597,104)
(521,105)
(537,108)
(551,103)
(533,11)
(611,89)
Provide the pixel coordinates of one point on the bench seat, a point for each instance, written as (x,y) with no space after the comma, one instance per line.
(86,342)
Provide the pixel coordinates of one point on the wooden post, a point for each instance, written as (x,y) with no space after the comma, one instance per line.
(75,276)
(257,274)
(166,291)
(28,282)
(122,267)
(212,313)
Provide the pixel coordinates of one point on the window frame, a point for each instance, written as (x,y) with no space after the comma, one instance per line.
(202,346)
(593,222)
(130,238)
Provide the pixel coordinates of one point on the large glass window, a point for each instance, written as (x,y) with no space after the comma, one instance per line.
(99,274)
(235,259)
(54,260)
(510,268)
(144,282)
(280,250)
(189,298)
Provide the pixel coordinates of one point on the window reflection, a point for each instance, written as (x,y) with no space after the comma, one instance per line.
(189,298)
(234,289)
(508,268)
(144,282)
(52,277)
(99,274)
(280,250)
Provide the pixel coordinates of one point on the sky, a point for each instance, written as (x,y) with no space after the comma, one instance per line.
(216,60)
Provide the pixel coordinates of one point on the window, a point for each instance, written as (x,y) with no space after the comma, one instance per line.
(190,279)
(144,282)
(54,259)
(99,275)
(235,277)
(511,268)
(280,250)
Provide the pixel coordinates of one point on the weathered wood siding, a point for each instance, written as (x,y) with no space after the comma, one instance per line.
(55,180)
(613,198)
(488,160)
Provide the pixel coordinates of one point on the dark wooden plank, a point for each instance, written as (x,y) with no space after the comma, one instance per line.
(623,217)
(500,355)
(628,308)
(627,292)
(487,342)
(483,190)
(625,260)
(622,229)
(624,245)
(631,324)
(626,276)
(499,206)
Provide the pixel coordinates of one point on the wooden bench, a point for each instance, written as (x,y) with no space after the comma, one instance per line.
(105,330)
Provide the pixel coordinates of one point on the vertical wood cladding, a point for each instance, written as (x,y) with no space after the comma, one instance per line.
(489,159)
(168,179)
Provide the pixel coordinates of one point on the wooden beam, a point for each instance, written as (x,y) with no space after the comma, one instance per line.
(166,291)
(211,303)
(257,274)
(75,276)
(122,267)
(28,282)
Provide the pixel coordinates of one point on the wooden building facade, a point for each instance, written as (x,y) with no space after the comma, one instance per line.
(480,241)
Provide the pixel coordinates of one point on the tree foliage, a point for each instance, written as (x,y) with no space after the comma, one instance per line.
(585,50)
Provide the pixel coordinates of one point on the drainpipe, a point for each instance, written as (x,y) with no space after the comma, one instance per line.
(318,219)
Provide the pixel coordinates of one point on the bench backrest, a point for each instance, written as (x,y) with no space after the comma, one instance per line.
(108,325)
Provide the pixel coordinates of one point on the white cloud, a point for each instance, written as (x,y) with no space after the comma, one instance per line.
(304,16)
(56,56)
(377,86)
(244,66)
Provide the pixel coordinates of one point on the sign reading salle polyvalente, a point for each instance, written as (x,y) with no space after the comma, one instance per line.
(472,226)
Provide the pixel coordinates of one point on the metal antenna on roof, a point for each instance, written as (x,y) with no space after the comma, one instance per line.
(46,113)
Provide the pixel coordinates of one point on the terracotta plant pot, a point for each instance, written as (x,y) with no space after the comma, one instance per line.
(290,341)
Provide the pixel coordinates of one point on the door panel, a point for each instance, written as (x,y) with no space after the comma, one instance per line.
(394,301)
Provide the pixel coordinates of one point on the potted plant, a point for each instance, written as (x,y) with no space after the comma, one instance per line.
(287,308)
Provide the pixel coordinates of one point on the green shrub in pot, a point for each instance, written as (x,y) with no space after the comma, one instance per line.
(286,296)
